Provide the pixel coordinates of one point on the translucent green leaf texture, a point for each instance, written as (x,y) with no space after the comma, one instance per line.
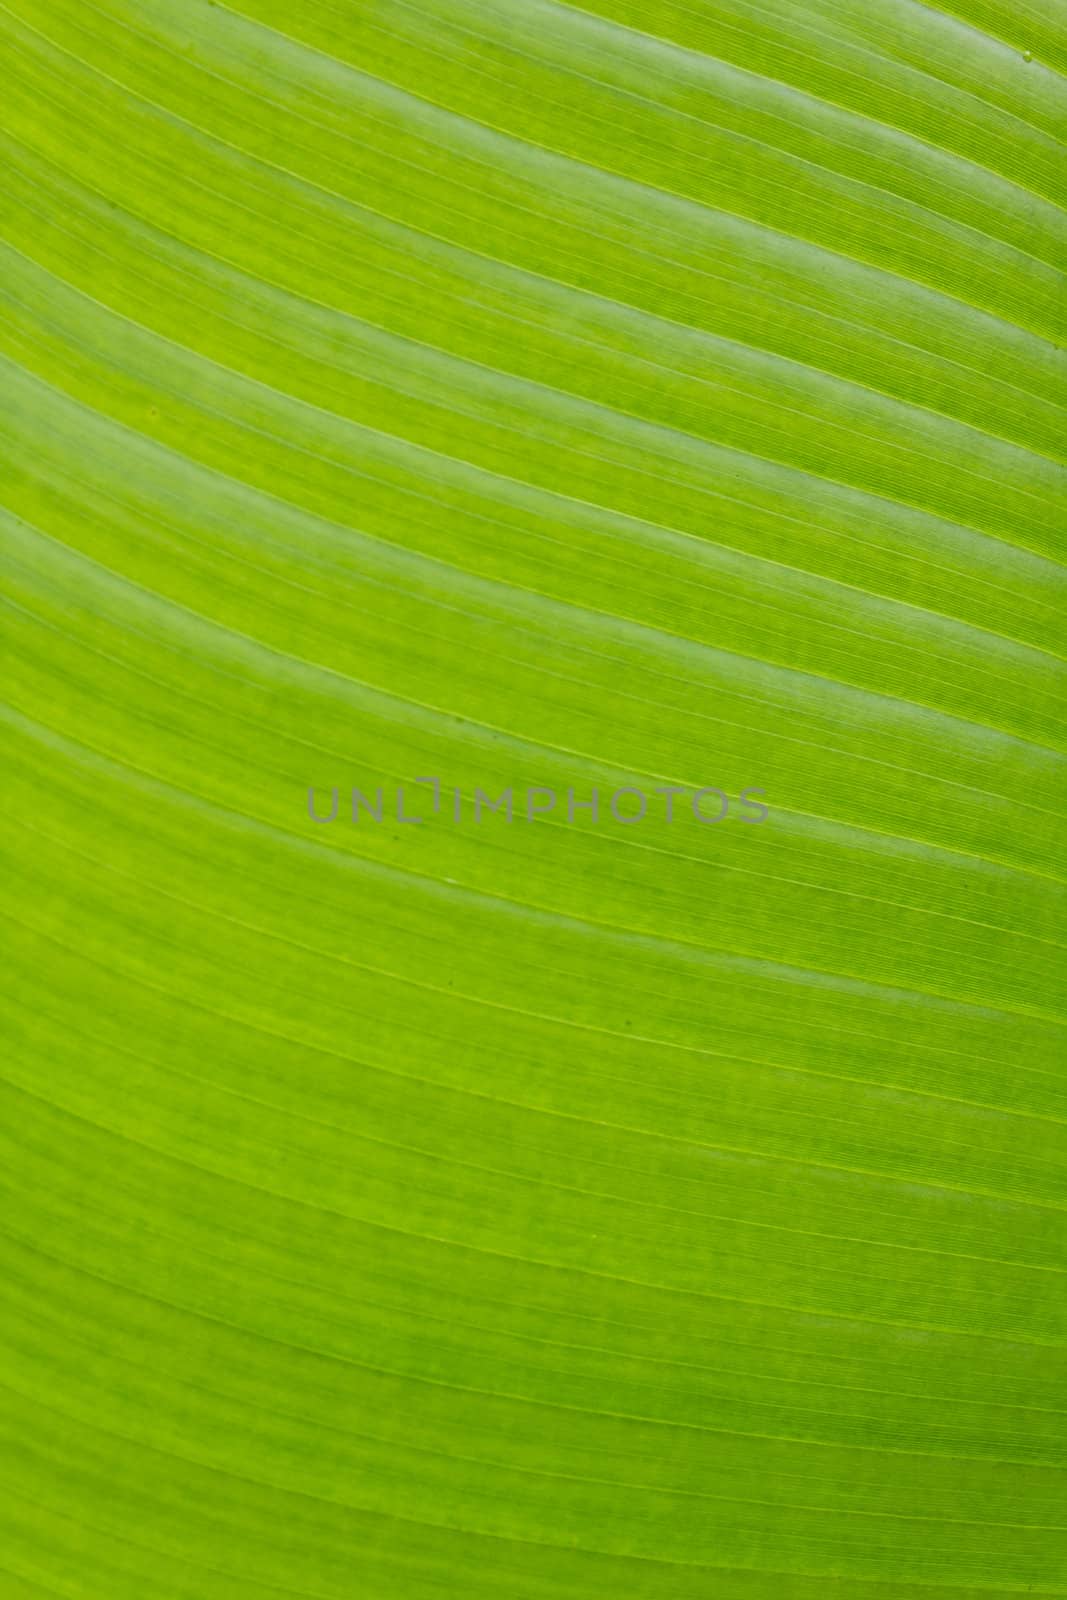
(537,397)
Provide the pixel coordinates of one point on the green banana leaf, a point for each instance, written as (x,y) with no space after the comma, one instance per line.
(426,407)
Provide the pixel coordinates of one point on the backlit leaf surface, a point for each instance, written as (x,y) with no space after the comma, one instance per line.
(633,395)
